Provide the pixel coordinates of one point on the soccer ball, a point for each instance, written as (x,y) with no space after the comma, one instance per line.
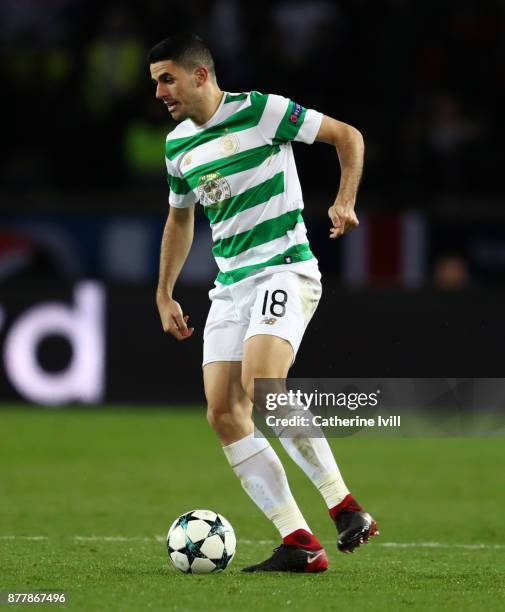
(201,542)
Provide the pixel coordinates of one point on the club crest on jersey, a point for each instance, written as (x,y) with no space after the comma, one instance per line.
(229,144)
(213,190)
(295,115)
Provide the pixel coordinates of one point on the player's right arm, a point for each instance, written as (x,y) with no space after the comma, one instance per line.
(175,246)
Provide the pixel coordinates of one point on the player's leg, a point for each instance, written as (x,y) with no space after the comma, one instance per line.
(269,352)
(228,407)
(256,464)
(267,356)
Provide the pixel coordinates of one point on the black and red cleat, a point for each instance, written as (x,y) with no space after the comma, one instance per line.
(300,552)
(354,525)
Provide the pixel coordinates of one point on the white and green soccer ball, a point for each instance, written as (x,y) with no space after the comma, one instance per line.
(201,542)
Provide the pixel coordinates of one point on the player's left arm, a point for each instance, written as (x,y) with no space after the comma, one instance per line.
(350,150)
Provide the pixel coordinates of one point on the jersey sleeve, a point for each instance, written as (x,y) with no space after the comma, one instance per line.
(284,121)
(181,194)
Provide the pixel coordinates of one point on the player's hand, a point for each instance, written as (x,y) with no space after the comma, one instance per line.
(343,218)
(173,320)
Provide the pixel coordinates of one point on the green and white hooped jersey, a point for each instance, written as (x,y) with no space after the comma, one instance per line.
(240,166)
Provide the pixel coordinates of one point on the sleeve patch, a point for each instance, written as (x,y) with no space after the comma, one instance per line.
(295,114)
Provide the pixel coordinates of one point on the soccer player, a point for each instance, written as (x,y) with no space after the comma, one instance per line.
(232,153)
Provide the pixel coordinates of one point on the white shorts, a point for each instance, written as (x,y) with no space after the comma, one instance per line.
(279,304)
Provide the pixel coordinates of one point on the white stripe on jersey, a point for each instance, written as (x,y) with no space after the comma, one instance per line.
(262,252)
(247,139)
(275,106)
(247,219)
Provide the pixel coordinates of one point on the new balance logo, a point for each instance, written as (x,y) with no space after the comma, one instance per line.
(269,320)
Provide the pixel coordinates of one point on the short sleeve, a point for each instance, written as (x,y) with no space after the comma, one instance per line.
(181,194)
(284,121)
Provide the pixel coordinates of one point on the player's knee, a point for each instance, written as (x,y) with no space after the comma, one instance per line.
(248,385)
(249,380)
(221,419)
(257,391)
(213,417)
(254,374)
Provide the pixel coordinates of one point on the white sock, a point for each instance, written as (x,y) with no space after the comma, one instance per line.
(263,478)
(315,458)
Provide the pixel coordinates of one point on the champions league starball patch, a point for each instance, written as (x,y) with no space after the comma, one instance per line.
(295,115)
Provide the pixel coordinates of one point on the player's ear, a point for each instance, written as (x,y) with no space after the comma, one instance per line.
(201,75)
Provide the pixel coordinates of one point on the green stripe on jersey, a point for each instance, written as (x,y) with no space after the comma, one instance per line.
(178,185)
(296,253)
(259,194)
(245,160)
(259,234)
(235,98)
(242,120)
(288,130)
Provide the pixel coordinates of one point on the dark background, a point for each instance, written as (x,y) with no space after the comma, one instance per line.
(418,287)
(423,81)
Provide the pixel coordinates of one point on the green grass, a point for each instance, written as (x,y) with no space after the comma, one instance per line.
(119,472)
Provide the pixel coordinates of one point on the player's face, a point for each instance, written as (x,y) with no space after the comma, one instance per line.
(176,87)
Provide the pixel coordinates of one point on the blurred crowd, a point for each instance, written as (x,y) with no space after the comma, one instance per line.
(424,81)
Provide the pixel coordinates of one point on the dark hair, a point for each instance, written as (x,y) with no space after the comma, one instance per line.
(187,50)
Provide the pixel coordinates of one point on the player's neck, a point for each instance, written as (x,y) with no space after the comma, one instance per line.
(209,106)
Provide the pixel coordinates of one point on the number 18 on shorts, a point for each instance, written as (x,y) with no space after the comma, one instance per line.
(279,304)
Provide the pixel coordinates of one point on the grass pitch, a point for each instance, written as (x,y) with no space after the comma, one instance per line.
(87,496)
